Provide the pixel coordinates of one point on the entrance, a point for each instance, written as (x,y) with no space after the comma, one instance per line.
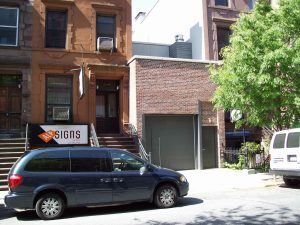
(107,106)
(10,104)
(209,144)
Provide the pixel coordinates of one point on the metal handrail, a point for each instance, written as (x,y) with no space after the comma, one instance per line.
(26,138)
(94,138)
(133,132)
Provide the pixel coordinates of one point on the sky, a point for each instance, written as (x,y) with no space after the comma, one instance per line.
(141,6)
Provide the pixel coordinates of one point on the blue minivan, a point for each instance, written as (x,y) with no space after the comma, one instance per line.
(51,179)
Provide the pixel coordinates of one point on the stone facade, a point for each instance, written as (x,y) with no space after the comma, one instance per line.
(16,60)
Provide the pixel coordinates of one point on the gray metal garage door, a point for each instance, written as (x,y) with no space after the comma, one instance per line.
(171,140)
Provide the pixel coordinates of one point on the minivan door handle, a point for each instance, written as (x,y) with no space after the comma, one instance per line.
(105,180)
(118,180)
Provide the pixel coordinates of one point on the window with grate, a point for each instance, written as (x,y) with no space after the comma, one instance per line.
(9,25)
(58,94)
(56,29)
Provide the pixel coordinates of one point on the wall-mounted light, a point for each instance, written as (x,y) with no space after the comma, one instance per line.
(19,85)
(97,87)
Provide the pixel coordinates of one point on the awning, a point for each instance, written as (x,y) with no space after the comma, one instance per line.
(237,134)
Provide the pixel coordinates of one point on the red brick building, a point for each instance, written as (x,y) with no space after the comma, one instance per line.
(170,104)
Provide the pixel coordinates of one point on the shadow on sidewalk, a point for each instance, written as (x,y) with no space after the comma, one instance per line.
(98,211)
(6,213)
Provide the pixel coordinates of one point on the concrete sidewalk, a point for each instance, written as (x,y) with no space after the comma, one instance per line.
(211,180)
(222,179)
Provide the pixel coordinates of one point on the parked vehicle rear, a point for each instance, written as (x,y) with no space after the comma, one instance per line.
(285,155)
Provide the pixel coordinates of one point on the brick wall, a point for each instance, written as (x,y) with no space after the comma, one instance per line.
(167,86)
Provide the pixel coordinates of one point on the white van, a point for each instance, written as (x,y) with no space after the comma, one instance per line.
(285,155)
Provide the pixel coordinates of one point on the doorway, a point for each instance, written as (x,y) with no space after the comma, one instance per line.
(107,107)
(209,147)
(10,104)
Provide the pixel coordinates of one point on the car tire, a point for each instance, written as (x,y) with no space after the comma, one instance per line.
(165,196)
(50,206)
(290,182)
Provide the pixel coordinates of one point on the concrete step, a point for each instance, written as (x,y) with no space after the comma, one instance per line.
(3,176)
(9,159)
(10,154)
(3,182)
(3,188)
(20,149)
(12,140)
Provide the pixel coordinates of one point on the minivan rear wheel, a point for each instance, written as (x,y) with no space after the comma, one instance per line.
(49,206)
(165,196)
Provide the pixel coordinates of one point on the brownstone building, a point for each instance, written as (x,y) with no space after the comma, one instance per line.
(94,36)
(15,66)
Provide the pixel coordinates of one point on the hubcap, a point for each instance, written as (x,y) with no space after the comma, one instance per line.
(51,207)
(167,197)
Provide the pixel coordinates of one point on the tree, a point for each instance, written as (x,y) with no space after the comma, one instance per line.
(260,73)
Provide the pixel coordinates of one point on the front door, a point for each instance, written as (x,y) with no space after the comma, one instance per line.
(209,147)
(107,106)
(10,104)
(129,183)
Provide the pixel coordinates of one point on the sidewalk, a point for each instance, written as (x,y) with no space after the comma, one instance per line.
(210,180)
(221,179)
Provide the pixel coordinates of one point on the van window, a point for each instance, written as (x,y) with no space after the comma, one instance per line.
(293,140)
(90,161)
(56,161)
(125,162)
(279,141)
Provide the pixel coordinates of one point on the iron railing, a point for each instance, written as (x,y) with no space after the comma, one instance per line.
(131,131)
(26,138)
(93,138)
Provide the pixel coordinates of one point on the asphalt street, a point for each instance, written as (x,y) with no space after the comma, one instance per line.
(259,202)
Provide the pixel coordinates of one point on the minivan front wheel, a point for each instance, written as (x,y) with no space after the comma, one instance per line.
(165,196)
(49,206)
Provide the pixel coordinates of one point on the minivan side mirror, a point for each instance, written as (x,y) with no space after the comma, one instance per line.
(143,170)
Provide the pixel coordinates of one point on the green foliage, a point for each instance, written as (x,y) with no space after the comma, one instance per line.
(260,74)
(251,148)
(237,166)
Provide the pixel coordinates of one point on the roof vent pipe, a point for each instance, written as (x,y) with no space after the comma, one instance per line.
(179,38)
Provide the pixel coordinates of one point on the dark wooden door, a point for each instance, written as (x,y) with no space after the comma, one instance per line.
(10,109)
(209,147)
(107,112)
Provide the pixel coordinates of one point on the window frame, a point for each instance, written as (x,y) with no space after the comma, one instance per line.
(221,4)
(112,152)
(65,11)
(114,28)
(218,40)
(59,105)
(95,153)
(16,27)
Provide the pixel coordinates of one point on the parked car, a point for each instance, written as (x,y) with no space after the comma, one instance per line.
(285,155)
(49,180)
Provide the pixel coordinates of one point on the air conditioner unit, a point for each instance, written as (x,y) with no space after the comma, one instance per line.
(105,43)
(61,113)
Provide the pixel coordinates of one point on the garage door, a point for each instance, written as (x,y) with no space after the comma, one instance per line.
(171,140)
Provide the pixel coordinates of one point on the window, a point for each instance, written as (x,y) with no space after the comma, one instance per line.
(9,21)
(223,35)
(58,94)
(221,2)
(90,161)
(106,27)
(125,162)
(293,140)
(279,141)
(56,29)
(250,4)
(56,161)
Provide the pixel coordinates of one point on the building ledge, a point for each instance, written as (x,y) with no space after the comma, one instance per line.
(135,57)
